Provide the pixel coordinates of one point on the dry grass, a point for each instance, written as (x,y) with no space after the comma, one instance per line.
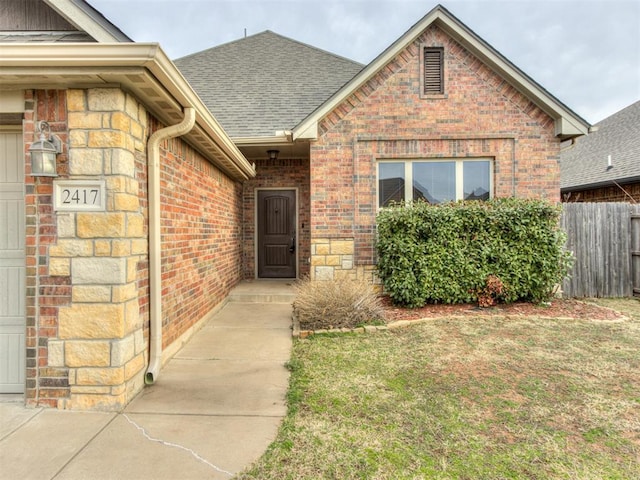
(334,304)
(470,398)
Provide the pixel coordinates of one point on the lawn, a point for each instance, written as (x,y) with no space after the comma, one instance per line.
(465,398)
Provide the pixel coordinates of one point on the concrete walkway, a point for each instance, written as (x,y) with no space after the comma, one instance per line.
(214,409)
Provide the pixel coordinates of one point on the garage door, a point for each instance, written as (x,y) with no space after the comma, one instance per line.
(12,264)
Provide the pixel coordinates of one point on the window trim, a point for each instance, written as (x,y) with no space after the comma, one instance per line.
(408,174)
(424,48)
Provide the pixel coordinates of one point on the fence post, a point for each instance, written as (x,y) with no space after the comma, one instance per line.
(635,248)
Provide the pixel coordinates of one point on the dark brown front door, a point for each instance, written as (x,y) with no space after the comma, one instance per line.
(276,233)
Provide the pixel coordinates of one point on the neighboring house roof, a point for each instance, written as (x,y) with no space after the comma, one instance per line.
(586,164)
(265,83)
(567,123)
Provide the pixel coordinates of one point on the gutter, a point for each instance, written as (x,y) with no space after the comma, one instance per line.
(142,69)
(155,267)
(281,137)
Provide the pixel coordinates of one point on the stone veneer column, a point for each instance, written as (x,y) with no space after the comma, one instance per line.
(100,337)
(333,258)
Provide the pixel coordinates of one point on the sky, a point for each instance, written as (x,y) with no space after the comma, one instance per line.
(586,53)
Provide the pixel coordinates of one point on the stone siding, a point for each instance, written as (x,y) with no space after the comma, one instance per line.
(88,272)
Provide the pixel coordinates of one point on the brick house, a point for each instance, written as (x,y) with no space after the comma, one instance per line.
(604,166)
(438,115)
(267,159)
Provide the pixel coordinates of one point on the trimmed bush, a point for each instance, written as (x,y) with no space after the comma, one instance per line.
(458,252)
(333,304)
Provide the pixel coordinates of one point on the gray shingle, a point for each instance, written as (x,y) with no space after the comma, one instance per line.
(265,82)
(619,136)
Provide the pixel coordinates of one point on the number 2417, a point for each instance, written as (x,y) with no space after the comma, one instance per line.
(79,196)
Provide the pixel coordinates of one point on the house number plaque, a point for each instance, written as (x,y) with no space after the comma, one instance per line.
(79,195)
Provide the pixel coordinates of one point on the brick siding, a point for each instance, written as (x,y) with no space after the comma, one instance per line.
(479,115)
(45,384)
(623,193)
(201,237)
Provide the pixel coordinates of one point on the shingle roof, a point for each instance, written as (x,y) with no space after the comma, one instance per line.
(266,82)
(586,162)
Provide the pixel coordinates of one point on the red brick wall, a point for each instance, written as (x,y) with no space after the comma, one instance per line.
(201,221)
(623,193)
(45,384)
(285,174)
(480,115)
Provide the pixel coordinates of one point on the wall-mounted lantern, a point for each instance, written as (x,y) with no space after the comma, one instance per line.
(273,154)
(44,152)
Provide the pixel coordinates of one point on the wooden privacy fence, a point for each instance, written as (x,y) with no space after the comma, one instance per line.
(605,241)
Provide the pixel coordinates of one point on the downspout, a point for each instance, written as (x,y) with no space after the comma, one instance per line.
(155,267)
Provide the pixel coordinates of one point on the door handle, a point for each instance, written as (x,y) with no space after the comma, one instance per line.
(292,247)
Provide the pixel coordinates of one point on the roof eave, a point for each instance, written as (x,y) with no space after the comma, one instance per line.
(281,137)
(141,68)
(567,123)
(600,184)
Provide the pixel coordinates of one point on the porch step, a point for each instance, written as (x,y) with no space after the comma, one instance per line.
(263,291)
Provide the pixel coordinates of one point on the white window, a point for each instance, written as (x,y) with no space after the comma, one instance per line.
(433,181)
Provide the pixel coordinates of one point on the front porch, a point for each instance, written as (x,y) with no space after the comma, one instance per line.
(274,175)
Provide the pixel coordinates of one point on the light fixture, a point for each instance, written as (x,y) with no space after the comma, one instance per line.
(273,154)
(44,152)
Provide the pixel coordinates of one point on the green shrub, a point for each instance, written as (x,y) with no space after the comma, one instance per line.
(343,303)
(449,253)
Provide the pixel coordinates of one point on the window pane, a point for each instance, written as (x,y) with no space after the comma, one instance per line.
(476,180)
(434,182)
(390,183)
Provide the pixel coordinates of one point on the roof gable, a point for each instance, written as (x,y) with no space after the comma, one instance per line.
(263,83)
(616,137)
(567,123)
(54,21)
(87,19)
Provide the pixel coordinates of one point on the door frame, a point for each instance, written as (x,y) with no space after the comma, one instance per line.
(256,223)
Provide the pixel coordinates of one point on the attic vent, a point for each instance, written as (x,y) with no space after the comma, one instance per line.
(433,71)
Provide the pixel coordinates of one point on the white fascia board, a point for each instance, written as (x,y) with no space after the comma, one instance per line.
(571,124)
(71,55)
(310,132)
(275,140)
(71,11)
(308,128)
(567,122)
(61,58)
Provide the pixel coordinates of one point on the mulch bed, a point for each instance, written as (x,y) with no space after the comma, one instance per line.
(557,308)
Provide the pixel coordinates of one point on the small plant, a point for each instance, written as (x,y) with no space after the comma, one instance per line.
(489,295)
(341,303)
